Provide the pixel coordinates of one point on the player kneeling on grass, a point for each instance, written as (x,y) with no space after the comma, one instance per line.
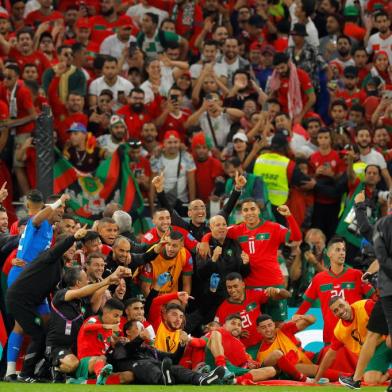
(94,338)
(225,349)
(351,332)
(152,366)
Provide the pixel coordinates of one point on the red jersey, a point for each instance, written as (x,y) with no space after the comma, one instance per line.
(176,123)
(93,339)
(351,99)
(306,88)
(206,174)
(325,285)
(37,58)
(152,237)
(331,160)
(24,103)
(261,244)
(249,310)
(155,314)
(234,349)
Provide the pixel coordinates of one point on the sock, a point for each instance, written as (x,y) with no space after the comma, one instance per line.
(98,366)
(15,341)
(290,369)
(246,376)
(333,375)
(220,360)
(113,379)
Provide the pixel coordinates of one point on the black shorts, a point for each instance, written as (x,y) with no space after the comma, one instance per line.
(377,322)
(54,354)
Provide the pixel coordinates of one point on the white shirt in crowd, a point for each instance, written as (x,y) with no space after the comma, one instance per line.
(112,46)
(221,126)
(121,85)
(106,142)
(136,12)
(374,158)
(376,43)
(219,69)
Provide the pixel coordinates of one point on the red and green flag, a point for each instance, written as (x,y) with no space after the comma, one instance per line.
(112,181)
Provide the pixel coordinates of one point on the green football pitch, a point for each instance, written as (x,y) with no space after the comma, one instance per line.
(16,387)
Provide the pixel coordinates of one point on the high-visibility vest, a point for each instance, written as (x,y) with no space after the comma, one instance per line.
(273,168)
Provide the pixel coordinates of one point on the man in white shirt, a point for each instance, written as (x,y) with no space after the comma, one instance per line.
(114,44)
(383,39)
(136,12)
(209,54)
(110,80)
(369,155)
(232,59)
(118,131)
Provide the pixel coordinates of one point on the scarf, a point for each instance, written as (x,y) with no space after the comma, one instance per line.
(63,85)
(294,98)
(13,105)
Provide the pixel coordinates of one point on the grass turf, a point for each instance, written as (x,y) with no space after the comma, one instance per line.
(17,387)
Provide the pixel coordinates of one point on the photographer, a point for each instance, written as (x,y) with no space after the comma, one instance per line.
(310,258)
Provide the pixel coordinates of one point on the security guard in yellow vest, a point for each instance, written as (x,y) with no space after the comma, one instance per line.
(278,171)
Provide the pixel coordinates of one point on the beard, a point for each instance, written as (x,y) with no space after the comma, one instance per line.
(343,52)
(137,107)
(109,12)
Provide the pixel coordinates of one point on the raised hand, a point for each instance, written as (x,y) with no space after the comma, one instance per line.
(81,233)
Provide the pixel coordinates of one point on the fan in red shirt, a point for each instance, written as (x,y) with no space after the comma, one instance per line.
(208,168)
(338,280)
(136,113)
(292,87)
(24,52)
(327,166)
(351,94)
(247,304)
(44,14)
(94,339)
(224,348)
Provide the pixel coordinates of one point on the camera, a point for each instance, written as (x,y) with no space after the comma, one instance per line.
(306,247)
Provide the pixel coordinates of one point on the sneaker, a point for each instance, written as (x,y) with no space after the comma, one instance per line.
(71,380)
(323,381)
(228,377)
(213,377)
(349,382)
(27,380)
(57,376)
(11,378)
(105,372)
(165,369)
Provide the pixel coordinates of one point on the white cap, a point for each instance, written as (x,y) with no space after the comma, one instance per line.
(240,136)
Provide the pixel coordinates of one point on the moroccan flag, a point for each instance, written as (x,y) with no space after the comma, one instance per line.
(113,181)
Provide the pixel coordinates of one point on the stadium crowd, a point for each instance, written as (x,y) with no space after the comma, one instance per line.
(258,134)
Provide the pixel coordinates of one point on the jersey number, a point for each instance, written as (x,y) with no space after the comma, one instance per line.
(339,293)
(245,320)
(252,249)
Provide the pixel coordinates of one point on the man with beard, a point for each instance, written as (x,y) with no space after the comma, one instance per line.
(369,155)
(95,267)
(344,45)
(75,80)
(110,80)
(149,135)
(136,113)
(350,93)
(231,58)
(297,97)
(3,220)
(107,21)
(383,39)
(118,131)
(170,256)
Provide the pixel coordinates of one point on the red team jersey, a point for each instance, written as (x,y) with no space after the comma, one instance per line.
(249,310)
(93,339)
(152,237)
(325,285)
(261,244)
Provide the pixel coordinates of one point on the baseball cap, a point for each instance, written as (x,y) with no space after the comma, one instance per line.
(116,120)
(124,21)
(134,143)
(268,49)
(77,127)
(171,134)
(279,140)
(350,71)
(351,10)
(83,23)
(4,15)
(240,136)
